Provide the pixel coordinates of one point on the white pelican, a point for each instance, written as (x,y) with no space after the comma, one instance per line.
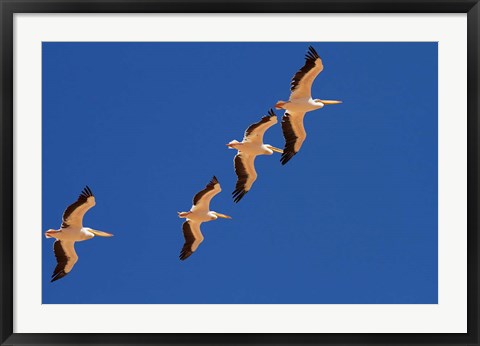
(299,103)
(71,231)
(248,149)
(199,213)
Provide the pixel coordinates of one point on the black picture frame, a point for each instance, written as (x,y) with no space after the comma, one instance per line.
(7,10)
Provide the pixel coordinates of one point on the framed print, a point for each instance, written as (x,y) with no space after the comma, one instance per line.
(239,173)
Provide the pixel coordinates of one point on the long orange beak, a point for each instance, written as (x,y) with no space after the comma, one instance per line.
(277,150)
(330,102)
(100,233)
(223,216)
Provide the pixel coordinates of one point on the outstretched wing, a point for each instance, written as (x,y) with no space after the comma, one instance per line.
(201,201)
(73,215)
(294,134)
(66,258)
(246,174)
(255,132)
(193,237)
(301,85)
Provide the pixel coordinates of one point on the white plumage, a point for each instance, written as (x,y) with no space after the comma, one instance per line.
(300,102)
(248,149)
(199,213)
(71,231)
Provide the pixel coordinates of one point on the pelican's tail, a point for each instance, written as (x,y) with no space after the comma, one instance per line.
(280,104)
(233,144)
(183,214)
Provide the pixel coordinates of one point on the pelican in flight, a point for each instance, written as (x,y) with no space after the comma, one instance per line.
(71,231)
(248,149)
(200,212)
(299,103)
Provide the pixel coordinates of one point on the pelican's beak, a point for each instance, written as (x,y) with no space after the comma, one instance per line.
(223,216)
(100,233)
(276,150)
(330,102)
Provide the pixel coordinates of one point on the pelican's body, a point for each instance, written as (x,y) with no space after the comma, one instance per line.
(302,105)
(299,104)
(71,234)
(248,149)
(199,213)
(251,148)
(72,231)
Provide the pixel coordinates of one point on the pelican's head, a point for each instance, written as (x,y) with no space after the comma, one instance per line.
(214,215)
(326,102)
(52,233)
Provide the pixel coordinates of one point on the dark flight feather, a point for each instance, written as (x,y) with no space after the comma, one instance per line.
(290,139)
(189,240)
(242,177)
(71,208)
(62,260)
(210,186)
(265,119)
(310,59)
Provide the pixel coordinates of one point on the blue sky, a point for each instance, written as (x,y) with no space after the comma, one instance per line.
(351,219)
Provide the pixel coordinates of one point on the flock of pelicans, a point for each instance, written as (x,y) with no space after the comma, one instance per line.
(249,148)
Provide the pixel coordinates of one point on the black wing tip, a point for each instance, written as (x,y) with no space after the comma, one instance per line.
(286,156)
(290,138)
(212,182)
(210,186)
(263,120)
(310,61)
(86,192)
(271,113)
(184,254)
(58,276)
(312,54)
(238,194)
